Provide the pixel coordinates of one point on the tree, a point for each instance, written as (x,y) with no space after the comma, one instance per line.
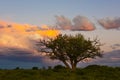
(71,49)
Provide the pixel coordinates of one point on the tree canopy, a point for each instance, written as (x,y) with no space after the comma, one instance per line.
(71,49)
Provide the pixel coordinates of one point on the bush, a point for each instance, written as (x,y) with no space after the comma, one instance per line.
(49,67)
(34,68)
(59,67)
(17,68)
(92,67)
(43,68)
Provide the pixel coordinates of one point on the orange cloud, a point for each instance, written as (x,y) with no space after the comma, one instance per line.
(23,35)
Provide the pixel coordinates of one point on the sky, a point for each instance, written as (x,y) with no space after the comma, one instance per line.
(23,22)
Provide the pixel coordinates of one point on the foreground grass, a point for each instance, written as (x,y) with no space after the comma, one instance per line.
(93,72)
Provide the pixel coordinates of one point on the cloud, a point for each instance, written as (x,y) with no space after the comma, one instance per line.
(11,57)
(18,41)
(115,46)
(109,59)
(82,23)
(79,23)
(23,35)
(3,24)
(63,22)
(21,55)
(110,23)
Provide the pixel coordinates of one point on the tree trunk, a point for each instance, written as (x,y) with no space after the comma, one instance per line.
(74,66)
(66,64)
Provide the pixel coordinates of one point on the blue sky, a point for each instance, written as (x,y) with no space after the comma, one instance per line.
(38,12)
(43,11)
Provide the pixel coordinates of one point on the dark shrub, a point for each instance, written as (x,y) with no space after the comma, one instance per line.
(92,67)
(43,68)
(49,67)
(59,67)
(17,68)
(34,68)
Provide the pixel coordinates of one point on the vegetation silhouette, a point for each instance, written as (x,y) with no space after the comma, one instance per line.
(91,72)
(34,68)
(71,49)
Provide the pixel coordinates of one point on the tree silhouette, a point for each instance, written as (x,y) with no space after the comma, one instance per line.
(71,49)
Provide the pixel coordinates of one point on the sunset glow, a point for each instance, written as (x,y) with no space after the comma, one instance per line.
(21,36)
(23,23)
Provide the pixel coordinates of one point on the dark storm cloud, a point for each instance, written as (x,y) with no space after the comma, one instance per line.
(79,23)
(16,54)
(110,58)
(110,23)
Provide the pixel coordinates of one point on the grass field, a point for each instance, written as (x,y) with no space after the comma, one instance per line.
(93,72)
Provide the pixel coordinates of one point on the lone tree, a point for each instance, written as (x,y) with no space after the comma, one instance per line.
(71,49)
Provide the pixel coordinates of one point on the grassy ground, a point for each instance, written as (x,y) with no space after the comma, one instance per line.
(93,72)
